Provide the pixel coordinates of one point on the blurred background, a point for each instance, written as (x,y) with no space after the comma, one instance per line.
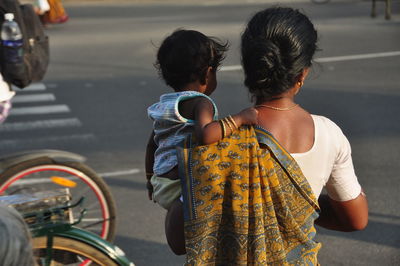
(101,79)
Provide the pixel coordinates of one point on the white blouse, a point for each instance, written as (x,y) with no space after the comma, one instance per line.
(328,163)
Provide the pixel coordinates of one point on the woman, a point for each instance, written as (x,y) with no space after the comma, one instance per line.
(278,45)
(277,50)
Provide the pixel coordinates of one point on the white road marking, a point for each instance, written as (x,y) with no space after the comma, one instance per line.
(51,85)
(42,97)
(33,87)
(40,124)
(35,95)
(356,57)
(120,173)
(14,143)
(331,59)
(47,109)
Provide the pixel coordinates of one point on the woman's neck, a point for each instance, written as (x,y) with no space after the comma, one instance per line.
(277,100)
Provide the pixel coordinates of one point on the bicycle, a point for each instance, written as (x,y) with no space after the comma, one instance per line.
(56,239)
(39,170)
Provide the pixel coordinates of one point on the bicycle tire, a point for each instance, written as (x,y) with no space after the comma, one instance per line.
(87,254)
(97,191)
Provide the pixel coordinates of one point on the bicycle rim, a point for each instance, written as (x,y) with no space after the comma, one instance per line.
(39,178)
(71,252)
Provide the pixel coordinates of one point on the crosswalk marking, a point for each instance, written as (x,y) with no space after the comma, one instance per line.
(36,110)
(45,141)
(31,87)
(42,97)
(34,101)
(40,124)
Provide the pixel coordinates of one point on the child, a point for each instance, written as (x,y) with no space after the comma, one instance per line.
(187,61)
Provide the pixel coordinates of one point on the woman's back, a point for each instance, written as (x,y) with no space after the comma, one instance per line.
(294,129)
(319,147)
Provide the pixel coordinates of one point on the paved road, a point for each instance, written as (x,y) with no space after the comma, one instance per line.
(101,79)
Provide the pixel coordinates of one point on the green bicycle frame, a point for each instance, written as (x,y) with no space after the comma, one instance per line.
(86,237)
(53,229)
(96,241)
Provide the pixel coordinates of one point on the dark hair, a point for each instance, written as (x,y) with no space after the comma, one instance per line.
(277,44)
(185,56)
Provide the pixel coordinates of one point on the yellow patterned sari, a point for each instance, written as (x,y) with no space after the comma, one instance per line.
(246,205)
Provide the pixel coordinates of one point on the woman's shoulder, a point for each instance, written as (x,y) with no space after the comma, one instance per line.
(326,123)
(330,131)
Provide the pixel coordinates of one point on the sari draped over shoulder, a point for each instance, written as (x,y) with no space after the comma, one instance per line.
(246,205)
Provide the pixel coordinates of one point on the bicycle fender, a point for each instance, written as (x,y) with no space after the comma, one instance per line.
(55,155)
(96,241)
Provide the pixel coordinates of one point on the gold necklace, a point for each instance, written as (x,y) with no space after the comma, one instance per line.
(278,108)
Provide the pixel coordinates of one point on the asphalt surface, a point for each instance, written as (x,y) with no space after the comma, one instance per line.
(102,78)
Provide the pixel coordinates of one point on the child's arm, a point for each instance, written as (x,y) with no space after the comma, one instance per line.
(209,131)
(149,162)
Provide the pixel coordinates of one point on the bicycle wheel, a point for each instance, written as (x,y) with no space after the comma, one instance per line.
(44,174)
(68,251)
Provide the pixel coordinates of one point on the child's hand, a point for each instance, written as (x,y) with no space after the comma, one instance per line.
(247,116)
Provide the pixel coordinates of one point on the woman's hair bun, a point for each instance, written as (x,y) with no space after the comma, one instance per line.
(265,59)
(277,45)
(271,57)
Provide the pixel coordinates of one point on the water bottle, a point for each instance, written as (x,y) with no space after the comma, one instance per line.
(11,38)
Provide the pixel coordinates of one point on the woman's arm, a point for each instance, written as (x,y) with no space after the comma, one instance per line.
(346,207)
(149,162)
(346,216)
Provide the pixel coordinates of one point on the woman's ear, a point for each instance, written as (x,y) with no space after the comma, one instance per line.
(300,80)
(302,76)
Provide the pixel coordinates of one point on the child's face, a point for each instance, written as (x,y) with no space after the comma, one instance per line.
(211,82)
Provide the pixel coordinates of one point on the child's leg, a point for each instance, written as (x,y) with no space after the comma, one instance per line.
(165,190)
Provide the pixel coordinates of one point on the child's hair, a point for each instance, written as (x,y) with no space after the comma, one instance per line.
(185,56)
